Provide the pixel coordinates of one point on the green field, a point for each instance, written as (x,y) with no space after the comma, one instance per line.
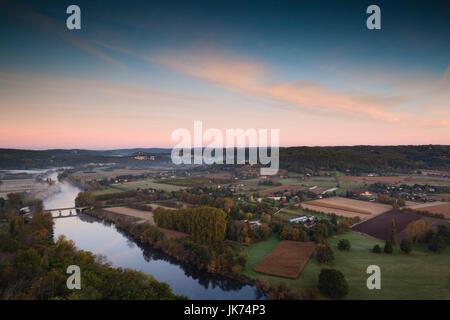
(315,214)
(330,182)
(419,275)
(291,182)
(285,216)
(143,184)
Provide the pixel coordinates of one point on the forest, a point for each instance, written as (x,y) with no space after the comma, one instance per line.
(354,158)
(33,266)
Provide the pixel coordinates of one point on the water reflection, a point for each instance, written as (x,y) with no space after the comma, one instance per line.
(102,237)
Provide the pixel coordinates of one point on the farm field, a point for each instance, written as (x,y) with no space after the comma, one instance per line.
(369,180)
(424,179)
(401,179)
(225,175)
(434,207)
(439,197)
(272,190)
(287,259)
(290,182)
(378,227)
(331,182)
(346,207)
(185,181)
(301,212)
(99,174)
(154,206)
(147,216)
(20,185)
(401,274)
(142,184)
(286,216)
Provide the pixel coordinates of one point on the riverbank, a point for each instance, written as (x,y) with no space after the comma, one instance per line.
(34,267)
(132,228)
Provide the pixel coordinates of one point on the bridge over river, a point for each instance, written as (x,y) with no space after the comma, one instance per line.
(62,212)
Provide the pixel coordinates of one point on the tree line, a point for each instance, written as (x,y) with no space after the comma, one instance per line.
(33,266)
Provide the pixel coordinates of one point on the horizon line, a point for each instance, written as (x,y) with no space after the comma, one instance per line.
(281,147)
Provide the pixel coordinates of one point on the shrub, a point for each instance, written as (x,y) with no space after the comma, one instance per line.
(388,247)
(332,283)
(376,249)
(344,244)
(406,246)
(444,232)
(437,243)
(324,253)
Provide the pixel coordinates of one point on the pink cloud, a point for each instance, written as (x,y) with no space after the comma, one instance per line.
(251,78)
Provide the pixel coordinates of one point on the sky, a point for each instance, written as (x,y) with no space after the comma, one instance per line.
(139,70)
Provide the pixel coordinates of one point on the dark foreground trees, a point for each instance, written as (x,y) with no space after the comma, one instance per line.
(406,245)
(33,266)
(332,283)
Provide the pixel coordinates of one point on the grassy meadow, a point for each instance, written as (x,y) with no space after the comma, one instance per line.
(419,275)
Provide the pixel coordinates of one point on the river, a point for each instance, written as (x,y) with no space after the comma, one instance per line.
(92,234)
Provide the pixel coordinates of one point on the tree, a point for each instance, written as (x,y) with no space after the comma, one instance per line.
(37,205)
(85,198)
(376,249)
(324,253)
(388,247)
(344,244)
(392,232)
(332,283)
(437,243)
(264,231)
(333,219)
(416,231)
(444,232)
(14,200)
(406,245)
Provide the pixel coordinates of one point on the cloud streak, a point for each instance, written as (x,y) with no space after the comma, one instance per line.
(251,78)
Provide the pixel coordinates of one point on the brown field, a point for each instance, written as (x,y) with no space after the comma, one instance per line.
(378,227)
(439,197)
(406,179)
(434,207)
(287,260)
(146,216)
(342,213)
(346,207)
(154,206)
(272,191)
(387,180)
(218,175)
